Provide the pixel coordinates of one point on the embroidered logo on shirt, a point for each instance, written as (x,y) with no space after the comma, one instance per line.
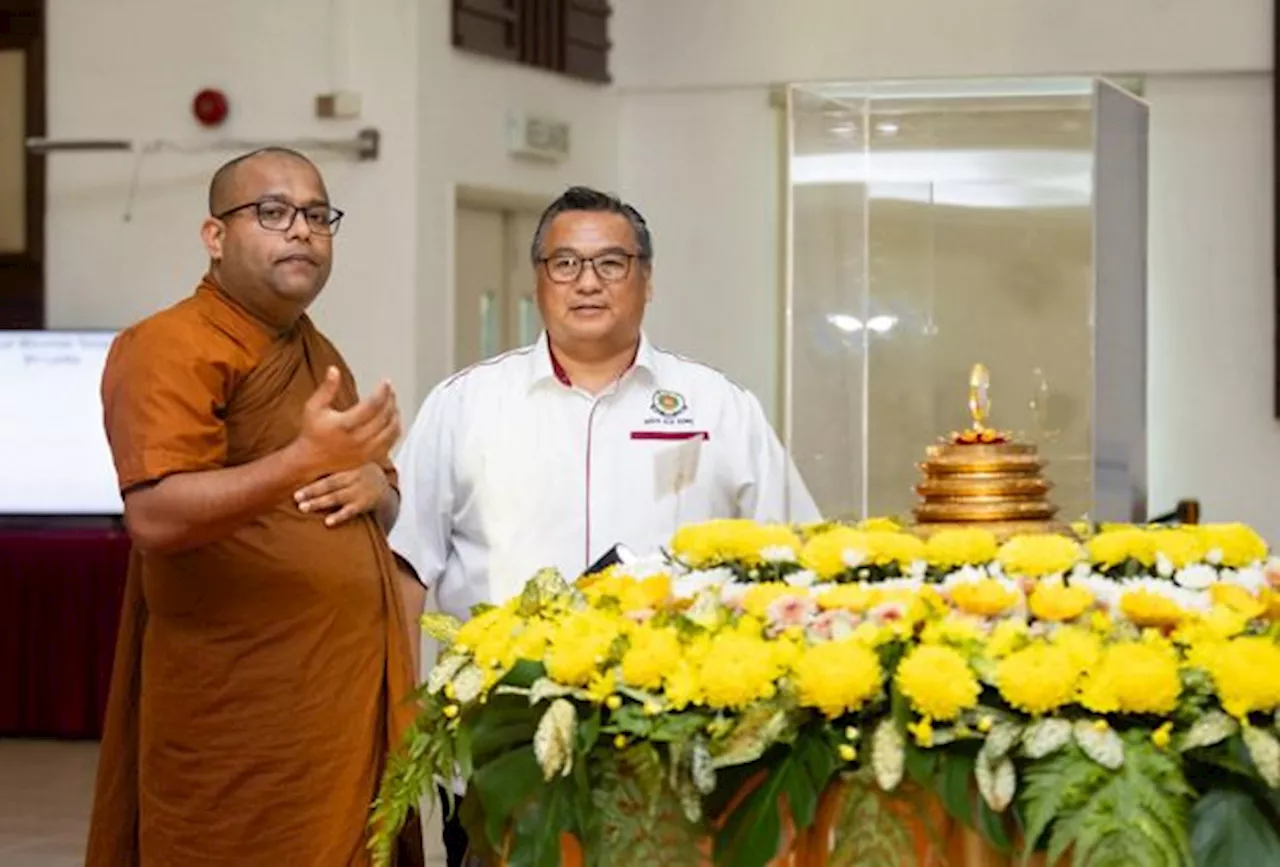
(668,403)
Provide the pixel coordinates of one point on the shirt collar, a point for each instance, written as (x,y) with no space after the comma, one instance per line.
(543,366)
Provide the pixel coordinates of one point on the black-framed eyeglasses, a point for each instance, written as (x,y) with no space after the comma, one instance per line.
(275,215)
(609,267)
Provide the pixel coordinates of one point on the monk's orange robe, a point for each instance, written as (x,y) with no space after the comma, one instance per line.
(260,679)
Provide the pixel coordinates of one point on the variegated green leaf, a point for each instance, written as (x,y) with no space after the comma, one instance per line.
(703,769)
(888,755)
(444,671)
(1100,743)
(441,627)
(546,585)
(544,688)
(690,802)
(468,684)
(1264,749)
(757,730)
(1002,738)
(1044,737)
(1212,728)
(553,740)
(997,780)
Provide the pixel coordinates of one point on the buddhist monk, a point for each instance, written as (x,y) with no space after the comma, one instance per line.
(264,657)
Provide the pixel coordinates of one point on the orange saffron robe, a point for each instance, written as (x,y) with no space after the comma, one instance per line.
(260,679)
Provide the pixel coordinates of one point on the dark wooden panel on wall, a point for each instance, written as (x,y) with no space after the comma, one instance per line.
(570,37)
(22,273)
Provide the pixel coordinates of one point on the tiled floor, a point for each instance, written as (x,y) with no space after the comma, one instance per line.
(46,791)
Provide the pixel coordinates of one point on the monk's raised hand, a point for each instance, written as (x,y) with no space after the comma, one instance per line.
(345,495)
(334,440)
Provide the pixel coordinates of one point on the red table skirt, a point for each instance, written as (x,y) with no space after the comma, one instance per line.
(60,597)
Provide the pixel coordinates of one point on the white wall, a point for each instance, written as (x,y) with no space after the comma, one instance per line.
(716,43)
(1212,298)
(130,68)
(465,100)
(694,79)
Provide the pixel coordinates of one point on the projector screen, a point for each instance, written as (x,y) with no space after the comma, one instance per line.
(54,458)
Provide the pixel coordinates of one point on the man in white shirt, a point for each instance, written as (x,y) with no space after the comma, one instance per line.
(592,437)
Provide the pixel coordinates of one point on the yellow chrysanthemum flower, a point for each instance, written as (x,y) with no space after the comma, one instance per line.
(1038,554)
(1039,678)
(580,645)
(888,548)
(1238,600)
(850,597)
(1006,637)
(951,549)
(1246,674)
(651,653)
(1113,547)
(837,677)
(738,540)
(1056,601)
(632,594)
(1148,608)
(1238,544)
(985,597)
(1134,677)
(1082,645)
(756,601)
(531,641)
(938,681)
(1271,599)
(879,525)
(1180,546)
(955,629)
(738,670)
(830,552)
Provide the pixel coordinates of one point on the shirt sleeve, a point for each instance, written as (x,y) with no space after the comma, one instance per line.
(776,492)
(163,404)
(423,531)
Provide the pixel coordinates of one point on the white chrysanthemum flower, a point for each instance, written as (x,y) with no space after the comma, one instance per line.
(692,583)
(1081,572)
(907,584)
(1214,556)
(777,554)
(1251,578)
(1185,598)
(918,569)
(1164,566)
(644,567)
(804,578)
(1104,590)
(1197,576)
(733,592)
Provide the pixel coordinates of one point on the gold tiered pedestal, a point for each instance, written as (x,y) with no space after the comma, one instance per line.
(984,478)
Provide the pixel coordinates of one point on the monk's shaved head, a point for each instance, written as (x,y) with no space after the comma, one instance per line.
(224,189)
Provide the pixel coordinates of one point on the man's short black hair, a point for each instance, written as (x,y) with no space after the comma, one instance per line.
(587,199)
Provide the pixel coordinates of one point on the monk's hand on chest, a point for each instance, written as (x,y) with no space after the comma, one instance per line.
(345,495)
(338,441)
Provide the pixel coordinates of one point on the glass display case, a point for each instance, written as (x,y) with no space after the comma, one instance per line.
(933,225)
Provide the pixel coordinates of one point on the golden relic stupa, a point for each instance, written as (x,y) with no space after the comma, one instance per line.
(982,477)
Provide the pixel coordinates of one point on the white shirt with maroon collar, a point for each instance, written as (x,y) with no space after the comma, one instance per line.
(508,468)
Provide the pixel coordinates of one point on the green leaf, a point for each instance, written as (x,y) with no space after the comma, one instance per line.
(1228,828)
(955,788)
(1211,728)
(1265,752)
(752,832)
(1002,738)
(1045,737)
(544,688)
(441,627)
(1135,814)
(504,786)
(535,837)
(444,670)
(554,739)
(635,822)
(888,754)
(868,832)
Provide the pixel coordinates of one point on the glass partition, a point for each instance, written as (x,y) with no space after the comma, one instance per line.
(935,225)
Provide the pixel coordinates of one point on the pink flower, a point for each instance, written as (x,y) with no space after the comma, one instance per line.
(786,612)
(832,625)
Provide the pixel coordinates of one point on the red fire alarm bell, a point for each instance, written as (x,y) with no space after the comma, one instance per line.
(210,107)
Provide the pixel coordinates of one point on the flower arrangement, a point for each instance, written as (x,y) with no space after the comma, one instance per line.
(1111,699)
